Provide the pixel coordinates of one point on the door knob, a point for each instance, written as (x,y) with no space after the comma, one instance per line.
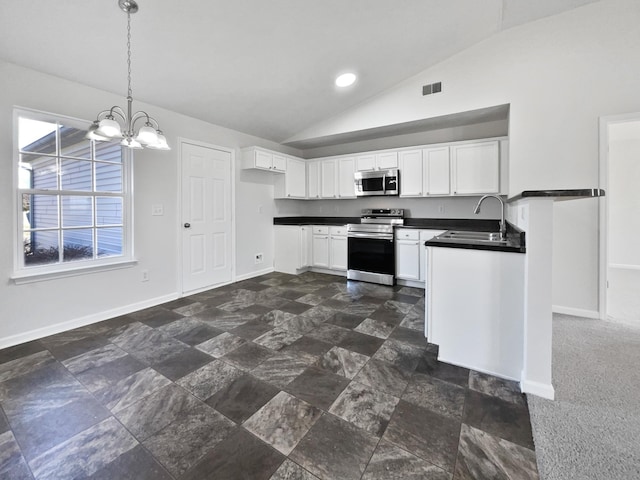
(187,225)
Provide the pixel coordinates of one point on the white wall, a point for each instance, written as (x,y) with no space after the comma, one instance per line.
(559,75)
(36,309)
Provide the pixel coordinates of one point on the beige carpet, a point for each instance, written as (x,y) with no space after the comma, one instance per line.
(592,429)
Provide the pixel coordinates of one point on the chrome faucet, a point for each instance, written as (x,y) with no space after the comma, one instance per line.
(503,224)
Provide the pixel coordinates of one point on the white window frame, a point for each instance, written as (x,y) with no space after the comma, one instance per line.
(24,274)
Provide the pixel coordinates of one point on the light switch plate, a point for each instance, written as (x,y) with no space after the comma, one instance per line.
(157,210)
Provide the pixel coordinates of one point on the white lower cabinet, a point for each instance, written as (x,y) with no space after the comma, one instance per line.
(320,246)
(291,245)
(298,247)
(338,248)
(410,254)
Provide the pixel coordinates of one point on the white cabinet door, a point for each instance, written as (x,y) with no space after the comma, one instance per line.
(424,236)
(437,171)
(295,179)
(305,246)
(476,168)
(313,179)
(365,162)
(263,159)
(411,173)
(386,160)
(328,179)
(346,185)
(408,259)
(279,163)
(287,254)
(321,251)
(338,253)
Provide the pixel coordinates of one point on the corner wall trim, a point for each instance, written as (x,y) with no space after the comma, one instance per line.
(247,276)
(83,321)
(576,312)
(539,389)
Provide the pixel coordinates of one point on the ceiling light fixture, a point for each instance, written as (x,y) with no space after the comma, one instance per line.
(116,123)
(346,79)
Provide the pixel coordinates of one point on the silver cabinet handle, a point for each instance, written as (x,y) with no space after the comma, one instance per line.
(187,225)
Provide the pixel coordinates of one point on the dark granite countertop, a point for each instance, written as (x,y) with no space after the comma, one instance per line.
(421,223)
(335,221)
(566,194)
(515,242)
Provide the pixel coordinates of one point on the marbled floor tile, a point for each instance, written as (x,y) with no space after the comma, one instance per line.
(239,456)
(209,379)
(248,356)
(508,390)
(156,411)
(73,335)
(180,445)
(345,320)
(177,303)
(271,301)
(330,333)
(402,355)
(392,463)
(94,358)
(4,423)
(300,324)
(335,449)
(38,434)
(221,345)
(131,389)
(24,365)
(225,320)
(387,314)
(276,318)
(424,433)
(280,369)
(283,421)
(294,307)
(436,395)
(191,309)
(307,349)
(343,362)
(414,320)
(359,309)
(384,377)
(375,328)
(277,338)
(12,464)
(189,330)
(123,335)
(134,464)
(252,330)
(150,312)
(86,453)
(182,362)
(154,348)
(481,455)
(501,418)
(365,407)
(318,314)
(77,347)
(19,351)
(292,471)
(272,282)
(179,326)
(409,336)
(103,376)
(242,398)
(160,318)
(318,387)
(413,291)
(361,343)
(311,299)
(429,365)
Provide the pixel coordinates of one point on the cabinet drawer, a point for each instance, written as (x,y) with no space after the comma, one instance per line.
(320,230)
(338,231)
(408,234)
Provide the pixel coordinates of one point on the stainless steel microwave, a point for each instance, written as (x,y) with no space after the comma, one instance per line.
(378,182)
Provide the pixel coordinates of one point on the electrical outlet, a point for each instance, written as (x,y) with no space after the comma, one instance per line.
(157,210)
(145,276)
(258,258)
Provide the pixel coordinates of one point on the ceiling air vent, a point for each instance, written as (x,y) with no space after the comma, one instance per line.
(432,88)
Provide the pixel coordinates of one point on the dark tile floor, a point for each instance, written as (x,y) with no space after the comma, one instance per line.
(278,377)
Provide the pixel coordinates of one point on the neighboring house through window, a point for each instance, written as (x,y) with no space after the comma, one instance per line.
(73,196)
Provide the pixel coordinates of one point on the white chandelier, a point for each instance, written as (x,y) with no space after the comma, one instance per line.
(116,123)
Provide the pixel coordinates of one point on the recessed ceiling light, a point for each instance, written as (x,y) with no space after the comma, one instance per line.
(345,79)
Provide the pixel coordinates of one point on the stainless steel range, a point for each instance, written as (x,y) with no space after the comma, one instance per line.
(371,251)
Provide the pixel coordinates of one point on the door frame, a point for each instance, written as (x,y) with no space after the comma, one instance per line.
(603,210)
(232,192)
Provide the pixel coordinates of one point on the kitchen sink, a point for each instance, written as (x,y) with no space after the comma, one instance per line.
(467,236)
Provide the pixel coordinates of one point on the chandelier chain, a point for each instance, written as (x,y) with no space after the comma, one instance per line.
(129,91)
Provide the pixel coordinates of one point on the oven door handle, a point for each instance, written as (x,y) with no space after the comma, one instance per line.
(379,236)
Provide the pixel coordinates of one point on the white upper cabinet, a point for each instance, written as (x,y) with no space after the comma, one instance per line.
(263,159)
(328,187)
(437,178)
(411,173)
(345,180)
(313,179)
(293,184)
(475,168)
(377,161)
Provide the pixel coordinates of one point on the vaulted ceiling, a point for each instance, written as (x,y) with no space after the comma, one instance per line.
(264,67)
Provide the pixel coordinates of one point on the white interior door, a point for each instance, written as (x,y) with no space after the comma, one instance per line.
(623,232)
(206,217)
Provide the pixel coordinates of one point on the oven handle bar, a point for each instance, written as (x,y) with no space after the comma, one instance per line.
(373,236)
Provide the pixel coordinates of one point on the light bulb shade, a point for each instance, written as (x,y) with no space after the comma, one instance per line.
(109,128)
(147,136)
(162,143)
(92,135)
(131,143)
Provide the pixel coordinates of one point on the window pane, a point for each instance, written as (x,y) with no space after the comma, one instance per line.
(36,136)
(41,248)
(108,177)
(73,143)
(38,172)
(78,244)
(77,211)
(40,211)
(108,211)
(76,175)
(109,151)
(110,242)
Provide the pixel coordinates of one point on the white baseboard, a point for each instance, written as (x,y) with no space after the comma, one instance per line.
(247,276)
(543,390)
(410,283)
(475,368)
(576,312)
(82,321)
